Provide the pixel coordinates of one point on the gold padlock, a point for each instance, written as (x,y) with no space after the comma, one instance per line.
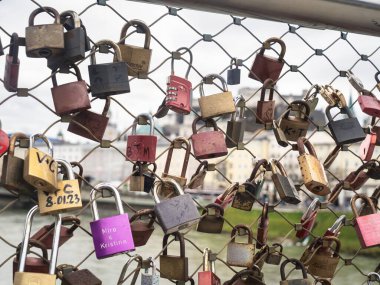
(313,173)
(217,104)
(67,198)
(40,169)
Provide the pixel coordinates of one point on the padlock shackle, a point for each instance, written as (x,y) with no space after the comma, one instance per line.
(276,164)
(151,262)
(377,276)
(212,76)
(261,162)
(233,61)
(314,205)
(106,107)
(214,206)
(76,72)
(264,219)
(157,185)
(209,120)
(267,44)
(46,9)
(239,108)
(297,263)
(144,212)
(108,43)
(203,165)
(138,165)
(13,48)
(190,61)
(366,199)
(148,118)
(206,259)
(338,224)
(80,167)
(183,141)
(12,144)
(346,111)
(181,240)
(69,171)
(37,244)
(94,205)
(139,260)
(278,245)
(244,227)
(377,77)
(335,240)
(73,16)
(268,83)
(303,142)
(32,140)
(309,95)
(136,23)
(297,102)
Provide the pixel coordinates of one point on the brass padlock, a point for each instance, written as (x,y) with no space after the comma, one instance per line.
(137,179)
(298,265)
(123,278)
(217,104)
(212,219)
(40,168)
(44,40)
(138,58)
(313,173)
(199,176)
(265,109)
(241,254)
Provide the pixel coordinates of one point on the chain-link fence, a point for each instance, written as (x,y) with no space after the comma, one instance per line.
(312,57)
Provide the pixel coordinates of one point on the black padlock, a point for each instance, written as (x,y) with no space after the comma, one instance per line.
(1,48)
(345,131)
(149,178)
(374,169)
(233,74)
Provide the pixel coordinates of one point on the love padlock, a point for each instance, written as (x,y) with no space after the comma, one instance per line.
(141,228)
(212,219)
(265,108)
(297,264)
(308,220)
(369,103)
(367,146)
(295,126)
(241,254)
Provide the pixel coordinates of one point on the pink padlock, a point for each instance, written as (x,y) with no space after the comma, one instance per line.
(4,141)
(368,146)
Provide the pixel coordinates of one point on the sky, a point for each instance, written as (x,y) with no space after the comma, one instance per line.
(25,114)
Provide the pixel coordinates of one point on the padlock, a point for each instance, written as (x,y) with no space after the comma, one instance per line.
(12,65)
(355,81)
(4,141)
(365,209)
(40,168)
(150,279)
(279,135)
(377,78)
(68,196)
(138,58)
(44,40)
(311,97)
(295,126)
(247,277)
(217,104)
(334,230)
(367,146)
(233,74)
(356,179)
(136,181)
(76,42)
(142,147)
(298,265)
(265,67)
(373,171)
(260,256)
(249,191)
(162,110)
(33,264)
(308,220)
(374,129)
(274,257)
(369,103)
(324,258)
(111,235)
(208,276)
(13,167)
(70,97)
(141,228)
(45,235)
(212,219)
(228,195)
(345,131)
(367,227)
(111,78)
(236,125)
(21,277)
(208,144)
(90,125)
(283,184)
(262,227)
(71,275)
(179,90)
(312,170)
(265,109)
(177,143)
(149,177)
(240,254)
(373,277)
(171,266)
(199,176)
(175,213)
(123,278)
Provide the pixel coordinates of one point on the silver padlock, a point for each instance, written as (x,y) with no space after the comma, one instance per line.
(150,279)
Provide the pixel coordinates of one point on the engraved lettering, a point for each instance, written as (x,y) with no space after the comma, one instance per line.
(66,189)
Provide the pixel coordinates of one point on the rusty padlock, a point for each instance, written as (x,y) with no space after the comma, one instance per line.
(356,179)
(247,277)
(12,65)
(71,275)
(212,219)
(241,254)
(295,126)
(141,228)
(274,256)
(308,220)
(265,109)
(199,176)
(365,209)
(262,227)
(298,265)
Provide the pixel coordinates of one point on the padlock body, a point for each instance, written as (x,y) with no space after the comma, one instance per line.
(286,189)
(368,230)
(367,147)
(82,277)
(149,279)
(197,180)
(89,125)
(233,76)
(209,144)
(369,105)
(138,59)
(313,174)
(32,264)
(11,74)
(136,182)
(108,79)
(235,133)
(211,224)
(70,97)
(44,40)
(46,233)
(240,254)
(167,189)
(208,278)
(274,258)
(346,131)
(30,278)
(265,67)
(216,105)
(243,201)
(141,148)
(40,170)
(149,179)
(323,264)
(67,198)
(307,226)
(112,235)
(265,111)
(174,267)
(294,127)
(178,95)
(141,232)
(176,213)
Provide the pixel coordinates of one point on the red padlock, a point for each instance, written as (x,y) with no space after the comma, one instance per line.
(368,146)
(70,97)
(142,148)
(179,89)
(4,141)
(208,276)
(334,230)
(369,103)
(265,67)
(308,220)
(209,144)
(367,227)
(12,65)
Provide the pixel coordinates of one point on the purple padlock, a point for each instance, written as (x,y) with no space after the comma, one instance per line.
(111,235)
